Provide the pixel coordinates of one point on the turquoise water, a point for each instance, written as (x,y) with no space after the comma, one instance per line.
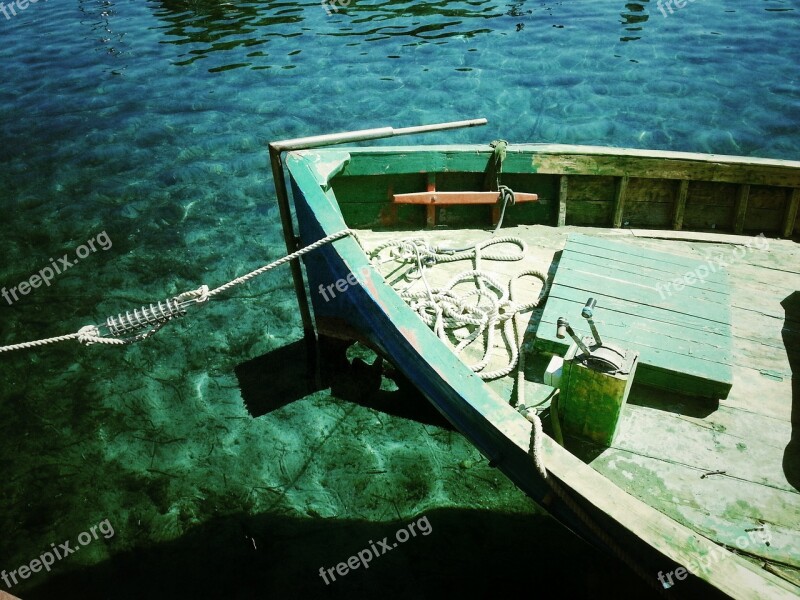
(149,121)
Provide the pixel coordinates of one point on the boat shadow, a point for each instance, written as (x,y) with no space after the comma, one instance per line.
(791,342)
(289,373)
(280,377)
(466,554)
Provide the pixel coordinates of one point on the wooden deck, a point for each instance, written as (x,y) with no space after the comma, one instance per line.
(674,311)
(728,468)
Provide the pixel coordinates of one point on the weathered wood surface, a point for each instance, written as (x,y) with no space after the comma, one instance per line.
(682,331)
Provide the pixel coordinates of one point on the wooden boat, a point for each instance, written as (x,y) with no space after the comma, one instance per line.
(698,491)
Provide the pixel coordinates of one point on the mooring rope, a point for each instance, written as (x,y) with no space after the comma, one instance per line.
(155,316)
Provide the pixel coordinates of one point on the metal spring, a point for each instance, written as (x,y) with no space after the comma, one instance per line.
(146,316)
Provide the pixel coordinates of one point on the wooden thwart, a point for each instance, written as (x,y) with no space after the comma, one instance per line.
(432,199)
(449,198)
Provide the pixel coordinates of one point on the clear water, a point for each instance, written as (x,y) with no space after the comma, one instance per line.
(149,121)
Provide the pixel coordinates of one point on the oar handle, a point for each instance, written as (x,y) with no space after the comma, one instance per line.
(330,139)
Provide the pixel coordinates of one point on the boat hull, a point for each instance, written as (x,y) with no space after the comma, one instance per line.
(592,507)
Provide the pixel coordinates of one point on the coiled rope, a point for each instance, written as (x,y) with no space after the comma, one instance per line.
(483,311)
(157,315)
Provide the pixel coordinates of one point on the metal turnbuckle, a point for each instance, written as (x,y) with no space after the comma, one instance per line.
(155,315)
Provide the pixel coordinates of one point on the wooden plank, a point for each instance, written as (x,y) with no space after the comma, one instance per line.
(659,367)
(653,287)
(790,216)
(358,215)
(647,214)
(640,333)
(449,198)
(767,197)
(634,313)
(741,208)
(626,306)
(566,160)
(680,204)
(651,191)
(690,236)
(766,207)
(562,200)
(430,211)
(730,573)
(644,429)
(644,264)
(664,166)
(710,205)
(719,507)
(624,250)
(757,393)
(695,300)
(589,213)
(619,201)
(592,188)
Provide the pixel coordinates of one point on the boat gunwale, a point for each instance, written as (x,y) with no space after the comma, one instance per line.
(564,150)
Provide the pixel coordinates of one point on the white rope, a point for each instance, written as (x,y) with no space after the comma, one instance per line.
(52,340)
(288,258)
(90,334)
(481,312)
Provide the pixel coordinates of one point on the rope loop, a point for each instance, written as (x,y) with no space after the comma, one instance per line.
(88,334)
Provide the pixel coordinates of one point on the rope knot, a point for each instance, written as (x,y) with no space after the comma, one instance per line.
(199,295)
(88,335)
(507,195)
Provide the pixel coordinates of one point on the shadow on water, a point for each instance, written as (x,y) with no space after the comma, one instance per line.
(791,341)
(270,556)
(205,27)
(633,19)
(280,377)
(288,374)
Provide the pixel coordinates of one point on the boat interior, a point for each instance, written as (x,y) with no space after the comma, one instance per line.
(691,266)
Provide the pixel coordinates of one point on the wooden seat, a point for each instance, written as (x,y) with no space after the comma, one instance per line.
(683,337)
(432,199)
